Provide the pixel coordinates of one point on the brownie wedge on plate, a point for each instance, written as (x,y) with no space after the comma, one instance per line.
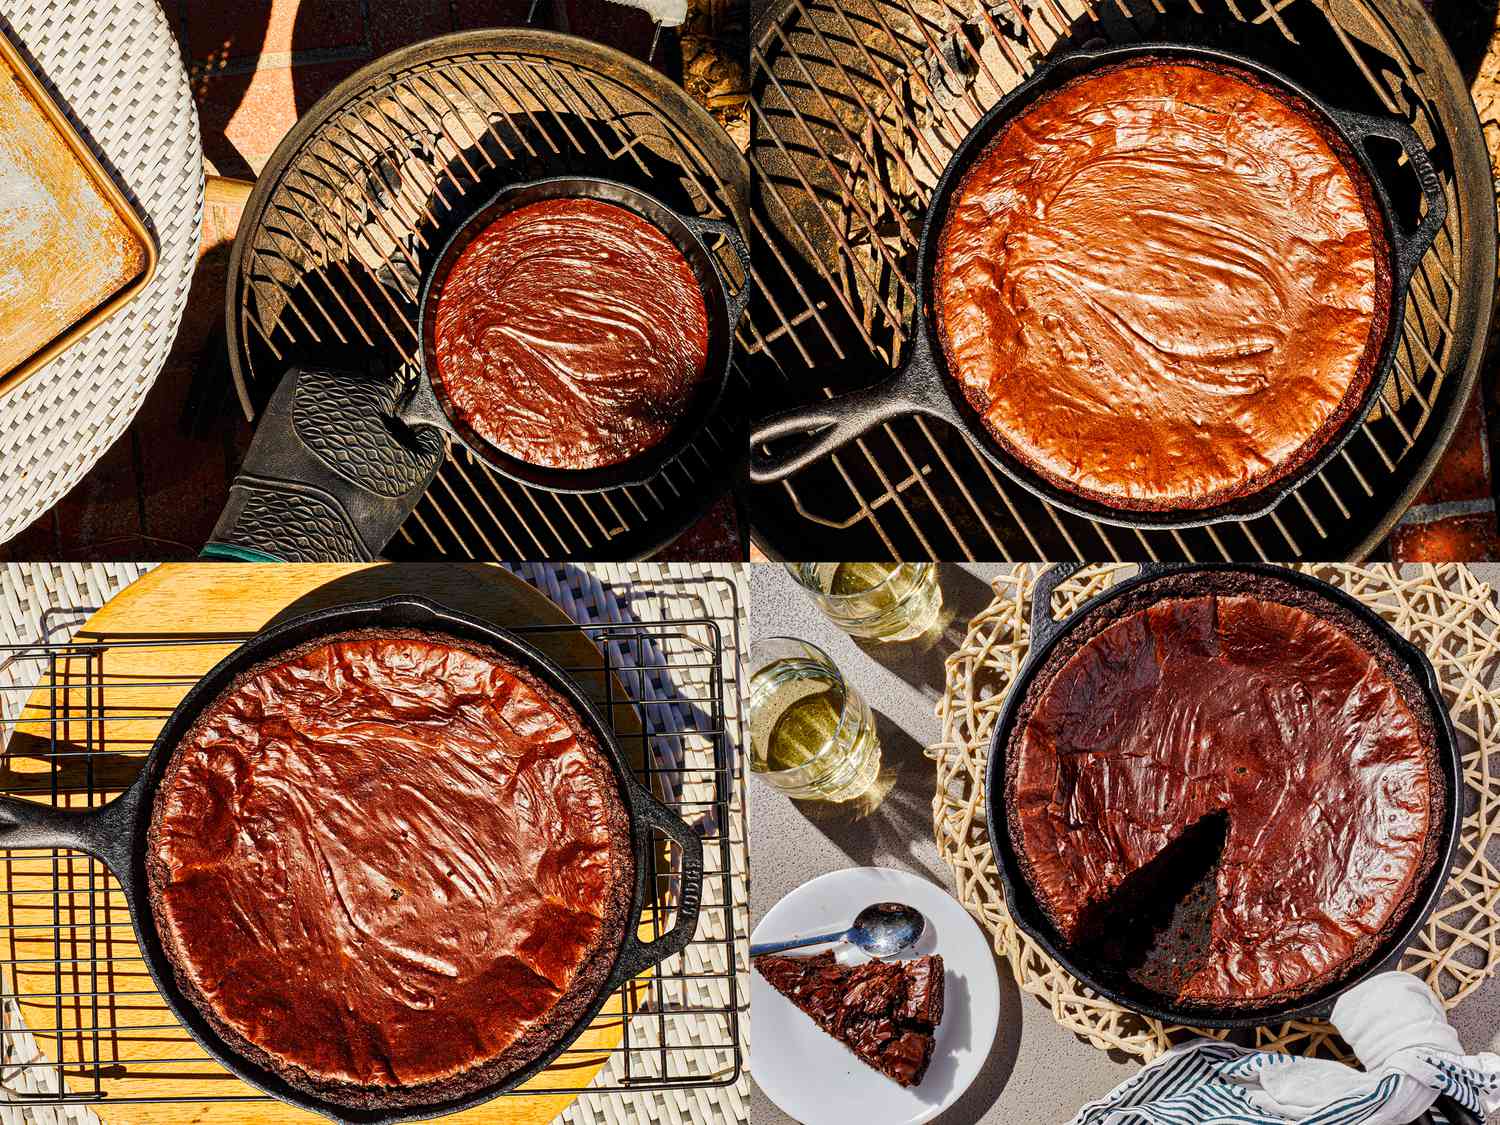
(886,1012)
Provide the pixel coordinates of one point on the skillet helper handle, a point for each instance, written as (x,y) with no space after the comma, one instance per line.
(1411,246)
(330,474)
(636,956)
(705,229)
(103,832)
(1452,1112)
(1043,625)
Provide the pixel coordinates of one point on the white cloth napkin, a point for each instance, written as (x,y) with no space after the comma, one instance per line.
(668,13)
(1397,1029)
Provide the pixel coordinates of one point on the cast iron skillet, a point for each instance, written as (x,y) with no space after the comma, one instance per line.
(116,834)
(1046,633)
(423,407)
(926,386)
(331,475)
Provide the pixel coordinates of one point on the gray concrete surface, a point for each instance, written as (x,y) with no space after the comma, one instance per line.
(1036,1073)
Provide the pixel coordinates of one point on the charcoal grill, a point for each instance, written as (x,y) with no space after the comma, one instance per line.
(857,105)
(366,189)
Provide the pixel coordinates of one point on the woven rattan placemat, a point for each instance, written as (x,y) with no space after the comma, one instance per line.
(1445,611)
(587,593)
(117,71)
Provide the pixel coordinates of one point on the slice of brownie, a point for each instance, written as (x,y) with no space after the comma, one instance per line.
(883,1011)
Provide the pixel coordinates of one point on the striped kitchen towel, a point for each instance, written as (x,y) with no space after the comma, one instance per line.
(1397,1030)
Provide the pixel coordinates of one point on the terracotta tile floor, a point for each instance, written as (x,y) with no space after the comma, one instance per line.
(256,66)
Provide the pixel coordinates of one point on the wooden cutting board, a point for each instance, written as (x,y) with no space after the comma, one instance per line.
(81,941)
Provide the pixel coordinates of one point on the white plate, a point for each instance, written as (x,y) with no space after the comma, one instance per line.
(815,1078)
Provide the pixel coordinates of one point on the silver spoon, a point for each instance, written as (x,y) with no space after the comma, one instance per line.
(882,930)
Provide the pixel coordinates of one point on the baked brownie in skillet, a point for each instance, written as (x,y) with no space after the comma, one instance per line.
(1164,285)
(391,866)
(1249,701)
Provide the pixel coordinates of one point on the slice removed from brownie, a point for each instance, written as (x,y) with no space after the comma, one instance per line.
(883,1011)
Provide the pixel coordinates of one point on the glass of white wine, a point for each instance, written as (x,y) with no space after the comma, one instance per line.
(811,735)
(878,601)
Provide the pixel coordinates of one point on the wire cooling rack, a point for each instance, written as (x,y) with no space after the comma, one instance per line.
(64,923)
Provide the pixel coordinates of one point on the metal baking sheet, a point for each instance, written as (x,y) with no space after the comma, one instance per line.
(12,61)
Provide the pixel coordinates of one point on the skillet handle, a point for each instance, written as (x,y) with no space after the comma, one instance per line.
(834,423)
(1043,625)
(636,955)
(1410,246)
(104,832)
(1453,1113)
(328,477)
(705,228)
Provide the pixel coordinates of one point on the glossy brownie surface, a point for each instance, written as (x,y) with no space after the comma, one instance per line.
(391,866)
(570,334)
(1164,285)
(884,1011)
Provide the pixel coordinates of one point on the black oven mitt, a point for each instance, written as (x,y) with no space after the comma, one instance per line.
(330,475)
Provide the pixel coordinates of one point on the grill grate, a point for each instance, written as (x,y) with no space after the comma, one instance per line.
(857,106)
(366,189)
(62,918)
